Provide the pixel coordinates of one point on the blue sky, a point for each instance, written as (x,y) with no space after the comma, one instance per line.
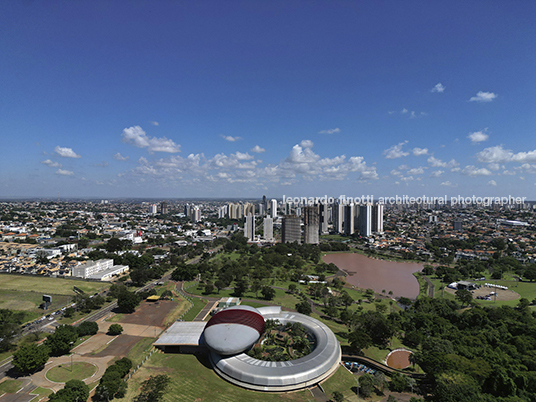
(238,99)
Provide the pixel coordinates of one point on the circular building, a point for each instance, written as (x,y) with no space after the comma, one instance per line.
(245,371)
(233,330)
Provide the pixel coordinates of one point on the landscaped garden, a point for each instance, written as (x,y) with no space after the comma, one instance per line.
(282,342)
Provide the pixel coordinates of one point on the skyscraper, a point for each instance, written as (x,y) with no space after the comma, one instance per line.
(268,229)
(196,214)
(338,217)
(163,207)
(349,219)
(377,218)
(273,208)
(365,220)
(323,218)
(290,229)
(311,222)
(249,227)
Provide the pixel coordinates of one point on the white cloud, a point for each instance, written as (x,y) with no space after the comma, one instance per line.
(119,157)
(435,162)
(420,151)
(471,170)
(230,138)
(257,149)
(494,166)
(307,144)
(419,170)
(330,131)
(395,151)
(508,173)
(438,88)
(66,152)
(63,172)
(492,183)
(136,136)
(478,136)
(397,173)
(498,154)
(243,157)
(154,123)
(437,173)
(102,164)
(50,163)
(448,184)
(404,111)
(483,97)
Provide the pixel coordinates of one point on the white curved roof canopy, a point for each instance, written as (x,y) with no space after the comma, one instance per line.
(262,375)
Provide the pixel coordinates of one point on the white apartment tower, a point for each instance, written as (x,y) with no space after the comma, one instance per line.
(249,227)
(273,208)
(268,229)
(365,220)
(377,218)
(349,219)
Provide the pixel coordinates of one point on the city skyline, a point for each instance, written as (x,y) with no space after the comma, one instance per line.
(235,100)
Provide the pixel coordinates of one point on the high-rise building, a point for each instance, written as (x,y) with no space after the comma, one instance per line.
(311,225)
(338,217)
(222,211)
(273,208)
(349,219)
(249,208)
(365,220)
(268,229)
(377,218)
(188,210)
(291,229)
(163,207)
(236,211)
(323,218)
(196,214)
(249,227)
(152,209)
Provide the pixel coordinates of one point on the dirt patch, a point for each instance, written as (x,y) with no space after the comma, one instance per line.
(96,342)
(120,346)
(150,313)
(484,291)
(398,359)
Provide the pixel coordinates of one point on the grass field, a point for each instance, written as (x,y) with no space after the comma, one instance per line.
(40,393)
(40,284)
(196,309)
(174,315)
(524,289)
(138,352)
(342,381)
(66,372)
(194,380)
(10,386)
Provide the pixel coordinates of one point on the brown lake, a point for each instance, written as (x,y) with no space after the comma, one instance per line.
(364,272)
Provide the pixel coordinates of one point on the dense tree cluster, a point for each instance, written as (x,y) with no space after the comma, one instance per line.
(111,384)
(9,327)
(153,389)
(74,390)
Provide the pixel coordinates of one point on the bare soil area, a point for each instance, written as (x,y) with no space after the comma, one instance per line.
(150,313)
(120,346)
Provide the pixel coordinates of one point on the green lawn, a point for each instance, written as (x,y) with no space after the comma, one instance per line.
(199,304)
(194,380)
(342,381)
(66,372)
(40,285)
(141,349)
(40,393)
(28,302)
(10,386)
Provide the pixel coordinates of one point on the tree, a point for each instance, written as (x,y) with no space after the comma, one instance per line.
(366,385)
(184,273)
(74,390)
(240,288)
(267,292)
(115,329)
(337,396)
(209,288)
(9,327)
(304,308)
(256,285)
(359,339)
(30,357)
(219,285)
(464,296)
(398,382)
(292,287)
(128,301)
(153,389)
(62,340)
(87,328)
